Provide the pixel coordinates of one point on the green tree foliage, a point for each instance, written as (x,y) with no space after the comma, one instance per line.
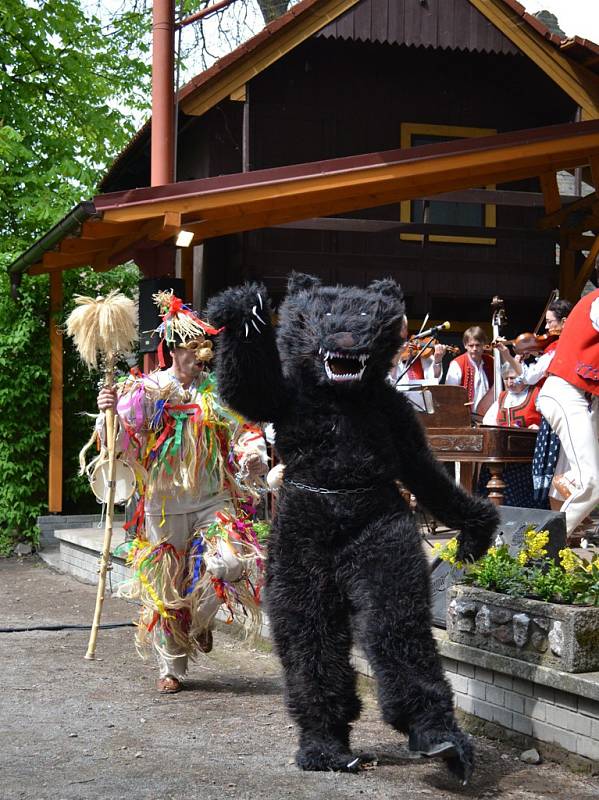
(551,21)
(64,78)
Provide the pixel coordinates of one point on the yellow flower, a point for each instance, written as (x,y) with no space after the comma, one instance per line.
(448,552)
(492,551)
(523,557)
(535,542)
(569,560)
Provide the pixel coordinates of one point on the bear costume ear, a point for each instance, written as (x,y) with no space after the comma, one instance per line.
(299,281)
(387,287)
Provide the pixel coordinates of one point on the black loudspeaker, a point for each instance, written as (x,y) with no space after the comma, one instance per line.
(513,522)
(149,318)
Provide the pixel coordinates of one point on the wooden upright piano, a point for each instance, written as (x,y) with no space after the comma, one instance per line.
(446,417)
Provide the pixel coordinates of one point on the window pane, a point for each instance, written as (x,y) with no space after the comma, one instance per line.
(442,212)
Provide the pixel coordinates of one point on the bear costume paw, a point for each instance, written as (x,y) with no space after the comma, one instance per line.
(244,310)
(477,534)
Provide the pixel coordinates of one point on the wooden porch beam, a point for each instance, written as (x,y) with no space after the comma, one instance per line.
(56,395)
(64,260)
(550,190)
(401,180)
(107,230)
(236,219)
(557,218)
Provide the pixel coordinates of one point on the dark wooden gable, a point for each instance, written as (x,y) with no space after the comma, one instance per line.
(444,24)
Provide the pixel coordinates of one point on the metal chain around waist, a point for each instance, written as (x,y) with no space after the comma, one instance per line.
(322,490)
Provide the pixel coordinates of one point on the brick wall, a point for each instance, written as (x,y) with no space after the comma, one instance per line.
(538,712)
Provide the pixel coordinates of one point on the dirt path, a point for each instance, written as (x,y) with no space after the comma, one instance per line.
(77,730)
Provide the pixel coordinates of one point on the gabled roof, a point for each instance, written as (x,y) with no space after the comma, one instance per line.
(572,63)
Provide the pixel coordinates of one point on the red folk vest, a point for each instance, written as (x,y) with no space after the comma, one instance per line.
(416,371)
(522,416)
(576,358)
(468,372)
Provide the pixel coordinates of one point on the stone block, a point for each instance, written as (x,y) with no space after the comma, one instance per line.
(514,701)
(522,686)
(503,681)
(535,709)
(516,627)
(483,710)
(465,702)
(522,724)
(586,705)
(459,683)
(485,675)
(589,748)
(566,699)
(477,688)
(549,733)
(466,669)
(570,721)
(545,693)
(502,716)
(495,695)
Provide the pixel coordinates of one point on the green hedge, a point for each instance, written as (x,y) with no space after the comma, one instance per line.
(25,395)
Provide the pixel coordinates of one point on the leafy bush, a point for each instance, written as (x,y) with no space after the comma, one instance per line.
(531,573)
(25,395)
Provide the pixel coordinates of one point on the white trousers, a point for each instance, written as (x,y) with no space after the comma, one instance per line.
(177,530)
(575,420)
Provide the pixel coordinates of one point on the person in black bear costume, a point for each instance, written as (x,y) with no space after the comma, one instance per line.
(345,558)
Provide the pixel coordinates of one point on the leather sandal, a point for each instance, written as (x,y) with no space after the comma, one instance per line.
(168,685)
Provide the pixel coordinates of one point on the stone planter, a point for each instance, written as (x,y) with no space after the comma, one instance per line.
(558,636)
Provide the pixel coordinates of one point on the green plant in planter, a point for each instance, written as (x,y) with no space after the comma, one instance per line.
(530,573)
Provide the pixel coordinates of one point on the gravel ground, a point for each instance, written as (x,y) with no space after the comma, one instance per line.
(72,729)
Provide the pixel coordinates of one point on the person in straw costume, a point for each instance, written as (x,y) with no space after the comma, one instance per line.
(198,464)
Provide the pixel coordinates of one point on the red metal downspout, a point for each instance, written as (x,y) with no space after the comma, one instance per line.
(163,94)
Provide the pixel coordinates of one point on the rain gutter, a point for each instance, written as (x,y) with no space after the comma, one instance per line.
(67,225)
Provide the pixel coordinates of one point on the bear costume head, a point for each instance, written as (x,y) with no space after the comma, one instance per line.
(339,335)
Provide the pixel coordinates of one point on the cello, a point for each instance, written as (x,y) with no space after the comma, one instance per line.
(498,320)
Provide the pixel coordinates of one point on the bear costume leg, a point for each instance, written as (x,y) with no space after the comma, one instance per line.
(386,576)
(310,624)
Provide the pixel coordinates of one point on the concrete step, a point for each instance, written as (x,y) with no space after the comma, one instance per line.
(79,554)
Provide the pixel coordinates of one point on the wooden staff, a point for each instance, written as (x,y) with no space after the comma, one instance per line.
(104,326)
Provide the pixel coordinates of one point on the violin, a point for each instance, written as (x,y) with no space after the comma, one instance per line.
(417,348)
(531,344)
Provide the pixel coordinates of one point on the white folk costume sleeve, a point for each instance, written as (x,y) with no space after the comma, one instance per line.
(454,374)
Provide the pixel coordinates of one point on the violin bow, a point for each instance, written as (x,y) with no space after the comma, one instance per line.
(554,295)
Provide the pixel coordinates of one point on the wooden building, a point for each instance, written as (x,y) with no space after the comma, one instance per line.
(356,139)
(384,74)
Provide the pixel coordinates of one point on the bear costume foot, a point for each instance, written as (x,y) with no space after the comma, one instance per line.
(326,757)
(326,752)
(454,747)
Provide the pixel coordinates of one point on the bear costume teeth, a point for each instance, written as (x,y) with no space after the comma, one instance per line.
(343,368)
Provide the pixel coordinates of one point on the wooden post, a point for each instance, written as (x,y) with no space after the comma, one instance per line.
(56,395)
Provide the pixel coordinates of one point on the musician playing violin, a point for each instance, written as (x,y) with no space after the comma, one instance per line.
(426,366)
(532,374)
(474,368)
